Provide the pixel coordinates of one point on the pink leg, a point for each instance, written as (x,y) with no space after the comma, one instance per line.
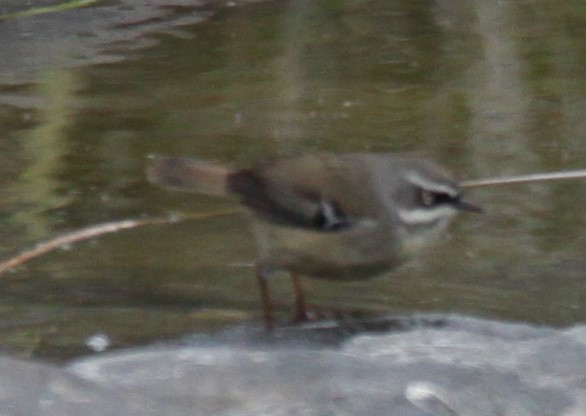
(265,297)
(300,305)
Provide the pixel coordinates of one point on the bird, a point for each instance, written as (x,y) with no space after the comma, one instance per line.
(334,216)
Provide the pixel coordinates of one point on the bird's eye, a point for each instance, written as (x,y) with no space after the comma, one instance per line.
(431,198)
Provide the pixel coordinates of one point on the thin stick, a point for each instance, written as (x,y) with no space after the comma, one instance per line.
(536,177)
(36,11)
(95,231)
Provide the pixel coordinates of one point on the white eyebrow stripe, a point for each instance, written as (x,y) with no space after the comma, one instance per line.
(418,180)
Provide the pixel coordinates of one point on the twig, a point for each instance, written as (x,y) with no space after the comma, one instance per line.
(95,231)
(536,177)
(36,11)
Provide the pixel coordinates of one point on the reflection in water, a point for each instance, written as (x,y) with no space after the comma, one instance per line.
(486,88)
(500,116)
(39,184)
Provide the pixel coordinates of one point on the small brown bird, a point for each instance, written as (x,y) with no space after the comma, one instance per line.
(328,216)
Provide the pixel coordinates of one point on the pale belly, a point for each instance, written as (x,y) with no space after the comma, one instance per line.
(349,255)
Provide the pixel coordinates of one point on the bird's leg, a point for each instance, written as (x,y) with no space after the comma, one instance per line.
(265,297)
(301,314)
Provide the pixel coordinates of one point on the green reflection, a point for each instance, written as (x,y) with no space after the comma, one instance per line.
(36,11)
(46,144)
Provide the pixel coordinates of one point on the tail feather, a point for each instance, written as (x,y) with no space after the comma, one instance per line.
(188,175)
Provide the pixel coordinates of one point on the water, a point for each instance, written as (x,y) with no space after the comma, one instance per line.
(488,88)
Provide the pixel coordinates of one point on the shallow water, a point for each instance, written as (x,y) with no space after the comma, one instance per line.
(487,88)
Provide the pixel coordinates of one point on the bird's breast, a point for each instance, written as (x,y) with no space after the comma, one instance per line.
(359,253)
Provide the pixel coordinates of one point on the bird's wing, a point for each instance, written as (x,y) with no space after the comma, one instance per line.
(316,192)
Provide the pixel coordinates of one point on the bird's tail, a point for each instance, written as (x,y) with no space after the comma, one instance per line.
(188,175)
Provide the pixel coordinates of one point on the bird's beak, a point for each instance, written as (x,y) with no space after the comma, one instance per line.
(466,206)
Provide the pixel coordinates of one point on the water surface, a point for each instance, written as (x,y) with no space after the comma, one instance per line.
(487,88)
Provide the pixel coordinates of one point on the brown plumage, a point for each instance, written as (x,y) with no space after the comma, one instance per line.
(331,216)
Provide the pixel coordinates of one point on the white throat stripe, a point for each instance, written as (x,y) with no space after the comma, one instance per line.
(425,216)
